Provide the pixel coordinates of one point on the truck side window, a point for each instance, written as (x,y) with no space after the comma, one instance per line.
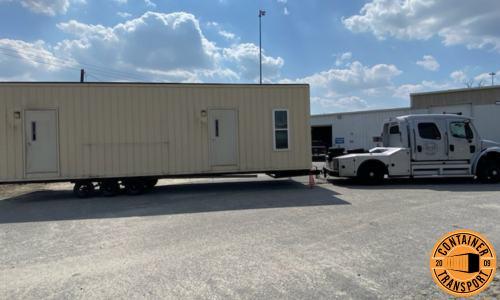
(394,129)
(459,130)
(429,131)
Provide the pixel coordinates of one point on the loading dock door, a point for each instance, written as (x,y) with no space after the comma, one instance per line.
(322,133)
(41,141)
(223,139)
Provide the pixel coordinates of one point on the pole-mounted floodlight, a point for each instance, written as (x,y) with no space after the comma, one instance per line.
(492,74)
(261,13)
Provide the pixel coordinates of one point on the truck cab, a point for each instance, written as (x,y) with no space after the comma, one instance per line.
(423,146)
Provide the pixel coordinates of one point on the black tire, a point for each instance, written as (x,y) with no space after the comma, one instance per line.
(150,182)
(370,174)
(488,171)
(134,186)
(83,189)
(109,188)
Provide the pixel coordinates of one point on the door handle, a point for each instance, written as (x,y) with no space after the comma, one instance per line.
(452,148)
(472,149)
(419,148)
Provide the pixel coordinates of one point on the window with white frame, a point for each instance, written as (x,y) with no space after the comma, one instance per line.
(281,129)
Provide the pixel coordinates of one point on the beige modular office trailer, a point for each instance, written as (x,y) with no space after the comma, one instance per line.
(118,131)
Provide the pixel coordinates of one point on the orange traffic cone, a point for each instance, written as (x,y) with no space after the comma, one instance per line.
(311,180)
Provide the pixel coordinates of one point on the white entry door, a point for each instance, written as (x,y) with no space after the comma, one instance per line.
(41,141)
(223,138)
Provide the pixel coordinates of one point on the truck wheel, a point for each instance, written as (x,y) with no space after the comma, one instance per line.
(150,182)
(370,174)
(134,186)
(109,188)
(83,189)
(488,171)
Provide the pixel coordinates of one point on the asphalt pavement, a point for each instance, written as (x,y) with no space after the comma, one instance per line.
(244,238)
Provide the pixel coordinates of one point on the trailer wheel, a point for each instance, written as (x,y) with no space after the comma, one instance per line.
(134,186)
(150,182)
(83,189)
(488,171)
(109,188)
(370,174)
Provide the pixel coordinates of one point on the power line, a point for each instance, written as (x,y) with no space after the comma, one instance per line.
(87,74)
(43,54)
(57,61)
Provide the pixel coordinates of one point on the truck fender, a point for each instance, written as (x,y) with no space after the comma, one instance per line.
(380,163)
(494,152)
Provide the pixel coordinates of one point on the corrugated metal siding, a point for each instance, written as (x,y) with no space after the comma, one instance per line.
(485,112)
(486,118)
(477,96)
(108,130)
(359,127)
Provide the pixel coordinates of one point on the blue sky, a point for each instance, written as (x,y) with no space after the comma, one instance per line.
(356,55)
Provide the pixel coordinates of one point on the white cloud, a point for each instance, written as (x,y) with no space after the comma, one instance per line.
(282,1)
(47,7)
(32,61)
(286,12)
(404,91)
(149,3)
(342,57)
(154,41)
(472,23)
(123,14)
(429,63)
(356,78)
(120,1)
(228,35)
(459,76)
(153,47)
(353,103)
(247,58)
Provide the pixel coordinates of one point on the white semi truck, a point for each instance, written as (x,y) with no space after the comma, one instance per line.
(422,146)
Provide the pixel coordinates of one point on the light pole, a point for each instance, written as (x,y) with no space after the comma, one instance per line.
(492,74)
(261,13)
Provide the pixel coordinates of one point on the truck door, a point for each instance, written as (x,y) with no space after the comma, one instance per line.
(463,142)
(429,140)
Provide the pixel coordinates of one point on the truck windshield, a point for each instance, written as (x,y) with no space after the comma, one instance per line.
(460,130)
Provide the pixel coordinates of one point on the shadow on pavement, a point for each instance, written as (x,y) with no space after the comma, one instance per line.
(43,206)
(436,184)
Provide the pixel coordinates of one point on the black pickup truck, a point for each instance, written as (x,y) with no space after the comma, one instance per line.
(318,149)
